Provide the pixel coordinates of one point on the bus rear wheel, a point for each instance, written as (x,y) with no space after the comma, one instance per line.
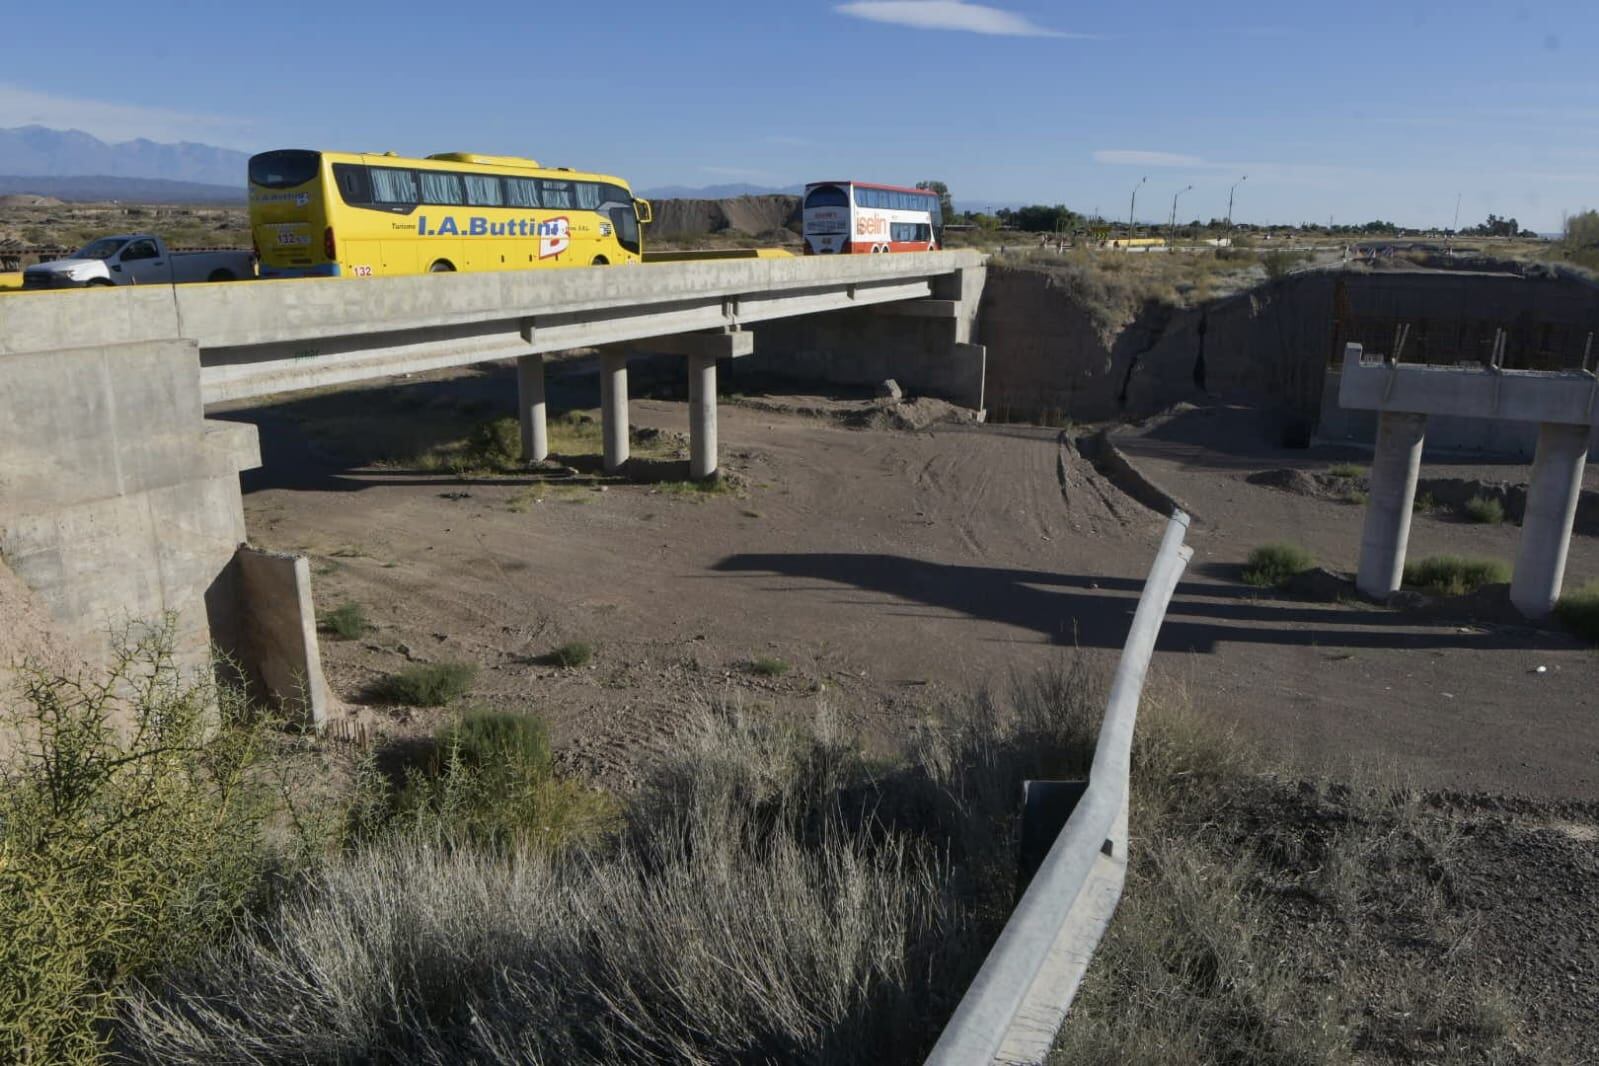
(442,266)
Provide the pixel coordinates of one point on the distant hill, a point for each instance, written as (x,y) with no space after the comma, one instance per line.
(37,151)
(133,190)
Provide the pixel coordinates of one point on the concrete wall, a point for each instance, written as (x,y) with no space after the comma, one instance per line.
(118,501)
(278,635)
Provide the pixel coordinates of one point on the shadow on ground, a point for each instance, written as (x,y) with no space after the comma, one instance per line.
(1096,612)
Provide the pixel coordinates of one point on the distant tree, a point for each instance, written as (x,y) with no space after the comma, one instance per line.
(944,199)
(1497,227)
(1040,218)
(1581,241)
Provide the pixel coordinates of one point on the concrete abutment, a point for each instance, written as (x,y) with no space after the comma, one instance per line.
(120,504)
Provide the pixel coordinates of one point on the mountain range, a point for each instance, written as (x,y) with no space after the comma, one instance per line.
(37,151)
(73,165)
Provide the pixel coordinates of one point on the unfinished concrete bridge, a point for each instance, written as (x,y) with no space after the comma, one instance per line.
(120,500)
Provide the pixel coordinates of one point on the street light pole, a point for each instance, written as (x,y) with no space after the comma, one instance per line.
(1134,205)
(1237,183)
(1172,232)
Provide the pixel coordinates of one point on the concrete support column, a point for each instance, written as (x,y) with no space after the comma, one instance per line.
(531,408)
(1393,492)
(702,416)
(613,409)
(1551,508)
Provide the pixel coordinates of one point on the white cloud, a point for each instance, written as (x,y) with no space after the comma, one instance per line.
(115,122)
(1121,157)
(949,15)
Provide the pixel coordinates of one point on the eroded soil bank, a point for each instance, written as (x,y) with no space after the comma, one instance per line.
(1061,345)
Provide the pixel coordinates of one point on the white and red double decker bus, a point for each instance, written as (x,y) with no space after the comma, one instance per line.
(844,217)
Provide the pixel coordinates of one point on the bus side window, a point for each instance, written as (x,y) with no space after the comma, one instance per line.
(522,192)
(354,184)
(440,188)
(393,186)
(555,193)
(483,190)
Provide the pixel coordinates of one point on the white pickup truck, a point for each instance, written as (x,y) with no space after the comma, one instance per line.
(137,259)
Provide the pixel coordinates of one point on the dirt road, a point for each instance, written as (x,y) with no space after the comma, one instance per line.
(890,571)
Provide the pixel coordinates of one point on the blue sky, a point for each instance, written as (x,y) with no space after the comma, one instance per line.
(1354,110)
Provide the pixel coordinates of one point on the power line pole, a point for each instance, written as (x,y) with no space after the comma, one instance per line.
(1172,232)
(1132,207)
(1235,185)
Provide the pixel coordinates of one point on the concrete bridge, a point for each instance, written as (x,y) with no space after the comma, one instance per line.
(119,500)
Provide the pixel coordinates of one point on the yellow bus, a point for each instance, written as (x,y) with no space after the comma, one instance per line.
(332,214)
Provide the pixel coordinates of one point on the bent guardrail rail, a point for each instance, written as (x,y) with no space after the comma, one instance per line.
(1018,1000)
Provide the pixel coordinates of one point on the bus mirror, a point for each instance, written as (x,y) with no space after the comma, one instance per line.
(642,207)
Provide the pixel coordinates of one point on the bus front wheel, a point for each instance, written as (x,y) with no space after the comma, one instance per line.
(442,266)
(600,261)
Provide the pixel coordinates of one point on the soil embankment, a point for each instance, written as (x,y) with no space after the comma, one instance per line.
(749,216)
(1056,351)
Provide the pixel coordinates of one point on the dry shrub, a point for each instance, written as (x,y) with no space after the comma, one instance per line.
(131,835)
(774,896)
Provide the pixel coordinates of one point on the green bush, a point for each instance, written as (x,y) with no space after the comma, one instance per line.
(765,667)
(1279,263)
(427,684)
(1347,470)
(569,656)
(1487,510)
(131,836)
(484,738)
(348,621)
(490,780)
(1453,575)
(1274,565)
(1580,611)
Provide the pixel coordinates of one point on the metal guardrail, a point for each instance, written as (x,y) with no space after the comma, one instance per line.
(1018,1000)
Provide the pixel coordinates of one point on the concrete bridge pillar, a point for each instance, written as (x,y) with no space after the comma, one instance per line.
(1552,500)
(702,416)
(613,409)
(531,408)
(1394,469)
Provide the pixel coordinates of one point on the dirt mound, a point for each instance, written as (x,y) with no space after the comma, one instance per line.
(1309,483)
(753,216)
(28,199)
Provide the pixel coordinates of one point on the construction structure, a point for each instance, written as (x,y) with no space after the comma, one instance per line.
(120,501)
(1563,404)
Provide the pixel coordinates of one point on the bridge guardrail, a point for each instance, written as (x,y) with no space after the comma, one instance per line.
(1019,998)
